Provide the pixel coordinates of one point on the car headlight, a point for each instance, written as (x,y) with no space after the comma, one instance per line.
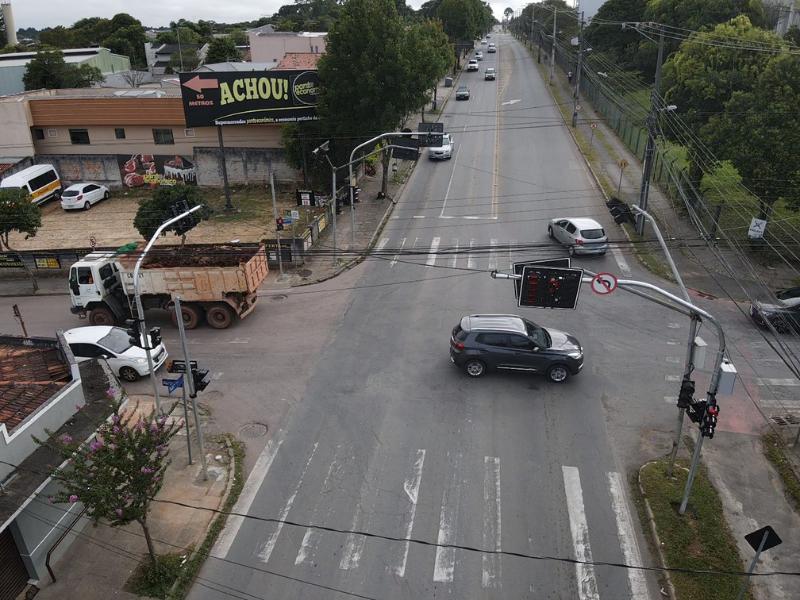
(141,361)
(575,354)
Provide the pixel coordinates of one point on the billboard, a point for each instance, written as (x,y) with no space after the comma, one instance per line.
(153,170)
(246,98)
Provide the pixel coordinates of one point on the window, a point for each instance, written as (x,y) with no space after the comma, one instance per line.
(38,133)
(86,350)
(188,132)
(571,228)
(493,339)
(163,136)
(90,188)
(52,133)
(85,276)
(119,133)
(592,234)
(79,136)
(519,342)
(42,180)
(117,340)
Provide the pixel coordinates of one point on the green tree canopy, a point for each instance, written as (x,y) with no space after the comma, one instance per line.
(157,209)
(48,70)
(617,43)
(17,213)
(222,50)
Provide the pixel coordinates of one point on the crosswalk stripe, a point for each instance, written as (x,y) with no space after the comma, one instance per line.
(492,255)
(470,258)
(397,256)
(312,537)
(775,382)
(621,262)
(492,522)
(411,488)
(269,545)
(445,561)
(587,584)
(627,537)
(382,244)
(432,252)
(454,262)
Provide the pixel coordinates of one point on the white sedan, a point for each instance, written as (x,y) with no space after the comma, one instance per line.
(127,361)
(83,195)
(579,235)
(443,152)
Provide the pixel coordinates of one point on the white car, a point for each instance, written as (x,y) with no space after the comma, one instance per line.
(479,55)
(113,343)
(83,195)
(472,65)
(579,235)
(443,152)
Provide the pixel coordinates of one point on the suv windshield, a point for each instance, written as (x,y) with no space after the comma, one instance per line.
(116,340)
(538,334)
(592,234)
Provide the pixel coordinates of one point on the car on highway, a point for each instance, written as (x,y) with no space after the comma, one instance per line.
(480,343)
(489,74)
(113,344)
(483,42)
(579,235)
(479,55)
(462,93)
(443,152)
(472,65)
(783,315)
(81,196)
(492,48)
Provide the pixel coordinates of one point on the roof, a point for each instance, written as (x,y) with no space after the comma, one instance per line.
(71,56)
(299,60)
(583,222)
(494,323)
(263,29)
(237,66)
(29,376)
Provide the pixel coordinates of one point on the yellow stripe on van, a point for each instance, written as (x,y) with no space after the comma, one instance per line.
(46,190)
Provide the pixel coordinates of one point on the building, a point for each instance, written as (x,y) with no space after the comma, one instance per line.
(14,65)
(41,390)
(298,61)
(788,15)
(159,56)
(270,46)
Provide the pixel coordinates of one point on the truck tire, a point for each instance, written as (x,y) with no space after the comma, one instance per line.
(101,316)
(192,315)
(219,316)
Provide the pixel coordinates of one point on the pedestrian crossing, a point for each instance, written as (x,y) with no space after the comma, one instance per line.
(448,490)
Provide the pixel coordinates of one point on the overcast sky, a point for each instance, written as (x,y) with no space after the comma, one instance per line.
(153,13)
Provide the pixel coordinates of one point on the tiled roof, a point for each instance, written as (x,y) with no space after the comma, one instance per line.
(299,60)
(29,377)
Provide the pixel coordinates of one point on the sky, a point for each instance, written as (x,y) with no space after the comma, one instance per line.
(154,13)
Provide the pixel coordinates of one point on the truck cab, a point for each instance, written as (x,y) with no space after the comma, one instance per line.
(94,282)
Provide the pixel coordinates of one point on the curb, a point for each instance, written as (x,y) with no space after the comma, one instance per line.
(652,523)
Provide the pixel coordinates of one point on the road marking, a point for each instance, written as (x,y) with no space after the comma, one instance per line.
(248,495)
(492,522)
(621,262)
(674,325)
(454,262)
(445,562)
(217,376)
(670,399)
(239,341)
(393,262)
(450,182)
(432,252)
(672,378)
(492,256)
(510,102)
(310,543)
(411,488)
(269,545)
(418,217)
(672,343)
(382,244)
(587,585)
(627,537)
(674,360)
(470,259)
(791,381)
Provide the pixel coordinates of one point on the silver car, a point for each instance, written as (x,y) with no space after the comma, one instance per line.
(443,152)
(579,235)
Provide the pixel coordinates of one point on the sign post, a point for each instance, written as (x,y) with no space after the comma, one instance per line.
(760,540)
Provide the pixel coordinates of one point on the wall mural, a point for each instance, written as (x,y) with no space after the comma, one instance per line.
(153,170)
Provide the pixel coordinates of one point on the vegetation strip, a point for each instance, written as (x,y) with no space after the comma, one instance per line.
(775,451)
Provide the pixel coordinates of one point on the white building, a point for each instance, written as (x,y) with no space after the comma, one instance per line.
(270,46)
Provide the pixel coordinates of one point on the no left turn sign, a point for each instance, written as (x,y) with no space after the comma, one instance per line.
(604,283)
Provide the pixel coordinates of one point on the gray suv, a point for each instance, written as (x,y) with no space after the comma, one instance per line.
(482,342)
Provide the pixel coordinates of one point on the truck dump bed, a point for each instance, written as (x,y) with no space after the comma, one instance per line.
(198,273)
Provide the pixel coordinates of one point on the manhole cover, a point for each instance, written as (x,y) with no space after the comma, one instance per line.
(785,419)
(304,273)
(278,297)
(253,430)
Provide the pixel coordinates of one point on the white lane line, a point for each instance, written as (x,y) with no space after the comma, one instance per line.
(310,543)
(418,217)
(672,343)
(627,537)
(450,183)
(492,255)
(672,378)
(621,262)
(269,545)
(432,252)
(248,495)
(676,360)
(587,585)
(382,244)
(411,488)
(393,262)
(445,562)
(674,325)
(454,262)
(790,381)
(470,259)
(492,522)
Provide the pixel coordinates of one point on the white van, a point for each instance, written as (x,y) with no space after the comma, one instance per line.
(40,181)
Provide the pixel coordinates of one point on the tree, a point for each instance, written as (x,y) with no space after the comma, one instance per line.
(618,44)
(157,209)
(222,50)
(185,59)
(134,78)
(81,76)
(17,213)
(48,70)
(117,474)
(792,35)
(239,37)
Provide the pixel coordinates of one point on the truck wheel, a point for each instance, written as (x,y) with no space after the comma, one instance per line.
(101,316)
(192,315)
(219,316)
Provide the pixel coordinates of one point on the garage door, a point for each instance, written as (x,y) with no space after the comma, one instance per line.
(13,575)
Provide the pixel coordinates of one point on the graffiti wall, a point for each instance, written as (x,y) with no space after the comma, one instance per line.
(153,170)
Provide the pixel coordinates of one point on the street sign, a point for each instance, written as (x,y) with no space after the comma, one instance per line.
(604,283)
(755,538)
(409,150)
(430,140)
(593,125)
(757,227)
(562,263)
(172,384)
(622,163)
(549,287)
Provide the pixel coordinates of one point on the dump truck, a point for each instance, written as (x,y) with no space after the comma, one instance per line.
(215,283)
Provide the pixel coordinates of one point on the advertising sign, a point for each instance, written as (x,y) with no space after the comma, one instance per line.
(237,98)
(153,170)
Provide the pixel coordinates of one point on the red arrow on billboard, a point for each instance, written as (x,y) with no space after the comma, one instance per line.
(198,85)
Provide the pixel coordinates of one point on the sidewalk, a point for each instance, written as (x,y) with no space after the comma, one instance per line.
(751,491)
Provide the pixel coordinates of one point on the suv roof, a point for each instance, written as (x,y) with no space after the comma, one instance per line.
(511,323)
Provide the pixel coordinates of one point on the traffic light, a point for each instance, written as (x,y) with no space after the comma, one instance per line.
(550,287)
(279,224)
(686,394)
(620,211)
(200,379)
(709,421)
(155,337)
(134,332)
(696,410)
(355,192)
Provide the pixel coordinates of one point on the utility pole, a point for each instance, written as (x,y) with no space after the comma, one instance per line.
(649,151)
(275,215)
(576,94)
(228,205)
(532,23)
(553,49)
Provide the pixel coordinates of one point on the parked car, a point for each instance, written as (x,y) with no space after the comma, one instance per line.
(483,42)
(783,315)
(462,93)
(113,344)
(579,235)
(489,74)
(472,65)
(83,195)
(480,343)
(479,55)
(492,48)
(443,152)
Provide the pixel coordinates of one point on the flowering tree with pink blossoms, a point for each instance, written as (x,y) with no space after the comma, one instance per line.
(117,474)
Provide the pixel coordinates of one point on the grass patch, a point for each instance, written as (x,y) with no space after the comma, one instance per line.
(155,582)
(699,539)
(774,450)
(183,580)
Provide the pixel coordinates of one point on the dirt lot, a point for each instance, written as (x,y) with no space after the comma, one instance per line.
(110,222)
